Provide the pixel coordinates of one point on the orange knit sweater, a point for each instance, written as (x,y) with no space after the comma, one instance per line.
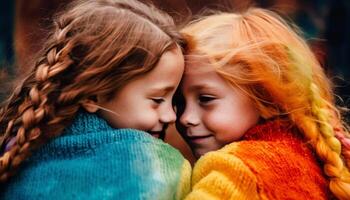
(271,162)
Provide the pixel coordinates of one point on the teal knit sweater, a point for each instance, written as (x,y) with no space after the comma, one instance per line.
(91,160)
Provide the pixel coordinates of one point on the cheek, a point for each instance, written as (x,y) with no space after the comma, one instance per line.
(144,117)
(138,115)
(228,126)
(216,120)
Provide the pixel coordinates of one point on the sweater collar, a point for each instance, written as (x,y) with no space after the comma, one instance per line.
(85,122)
(88,125)
(272,130)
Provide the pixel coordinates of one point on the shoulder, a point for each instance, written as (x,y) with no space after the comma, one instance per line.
(222,160)
(135,141)
(284,162)
(91,143)
(122,163)
(224,176)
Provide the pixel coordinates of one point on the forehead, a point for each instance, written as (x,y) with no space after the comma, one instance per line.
(200,74)
(166,74)
(170,65)
(197,64)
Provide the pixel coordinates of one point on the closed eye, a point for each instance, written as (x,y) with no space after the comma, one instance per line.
(158,100)
(204,99)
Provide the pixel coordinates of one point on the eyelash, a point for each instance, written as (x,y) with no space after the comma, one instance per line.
(158,100)
(205,99)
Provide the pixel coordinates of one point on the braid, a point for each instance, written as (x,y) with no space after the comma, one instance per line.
(315,123)
(36,107)
(328,147)
(346,145)
(342,134)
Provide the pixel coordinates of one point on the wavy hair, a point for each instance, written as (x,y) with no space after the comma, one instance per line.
(260,53)
(95,48)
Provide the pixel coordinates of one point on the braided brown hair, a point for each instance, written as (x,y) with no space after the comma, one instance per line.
(95,48)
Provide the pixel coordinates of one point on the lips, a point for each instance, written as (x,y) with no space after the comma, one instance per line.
(158,134)
(154,133)
(198,139)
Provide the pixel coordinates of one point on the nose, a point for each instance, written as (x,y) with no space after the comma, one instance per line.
(189,117)
(168,115)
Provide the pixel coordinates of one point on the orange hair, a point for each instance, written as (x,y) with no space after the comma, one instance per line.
(258,52)
(95,48)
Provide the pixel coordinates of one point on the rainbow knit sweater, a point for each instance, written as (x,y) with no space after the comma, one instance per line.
(91,160)
(271,162)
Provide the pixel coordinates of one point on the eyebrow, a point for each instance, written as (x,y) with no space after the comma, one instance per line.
(164,90)
(201,87)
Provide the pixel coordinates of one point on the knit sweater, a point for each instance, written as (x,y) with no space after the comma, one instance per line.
(271,162)
(91,160)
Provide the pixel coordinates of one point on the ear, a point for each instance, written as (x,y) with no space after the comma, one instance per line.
(89,105)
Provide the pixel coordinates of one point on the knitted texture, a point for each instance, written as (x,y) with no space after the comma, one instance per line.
(271,162)
(91,160)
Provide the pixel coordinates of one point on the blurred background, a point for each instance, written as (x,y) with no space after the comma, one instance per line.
(325,23)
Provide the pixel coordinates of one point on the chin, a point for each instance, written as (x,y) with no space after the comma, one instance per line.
(199,152)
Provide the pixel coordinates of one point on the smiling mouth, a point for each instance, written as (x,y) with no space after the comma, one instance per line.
(158,134)
(197,139)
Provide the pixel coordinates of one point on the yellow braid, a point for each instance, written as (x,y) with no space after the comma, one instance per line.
(328,147)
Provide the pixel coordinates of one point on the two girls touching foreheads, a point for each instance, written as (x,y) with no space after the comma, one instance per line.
(253,103)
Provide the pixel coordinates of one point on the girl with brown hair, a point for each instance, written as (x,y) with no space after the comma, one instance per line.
(253,89)
(108,65)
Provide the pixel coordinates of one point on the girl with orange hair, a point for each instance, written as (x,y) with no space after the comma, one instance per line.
(108,65)
(253,89)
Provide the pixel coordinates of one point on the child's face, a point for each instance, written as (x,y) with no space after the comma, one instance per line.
(146,102)
(215,113)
